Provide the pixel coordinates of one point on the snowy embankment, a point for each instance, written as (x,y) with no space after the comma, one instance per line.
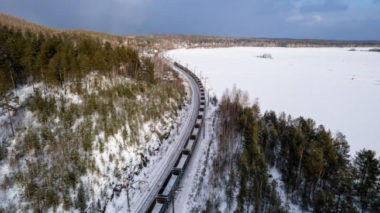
(192,191)
(334,86)
(148,178)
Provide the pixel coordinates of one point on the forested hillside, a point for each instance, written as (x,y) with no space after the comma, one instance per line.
(78,117)
(317,173)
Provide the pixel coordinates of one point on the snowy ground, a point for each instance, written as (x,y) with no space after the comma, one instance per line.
(336,87)
(193,188)
(291,207)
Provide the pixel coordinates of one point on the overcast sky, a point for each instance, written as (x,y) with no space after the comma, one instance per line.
(320,19)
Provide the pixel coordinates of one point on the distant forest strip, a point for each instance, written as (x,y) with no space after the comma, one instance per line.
(25,26)
(166,42)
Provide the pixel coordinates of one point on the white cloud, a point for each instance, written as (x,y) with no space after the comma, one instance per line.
(132,2)
(294,18)
(318,18)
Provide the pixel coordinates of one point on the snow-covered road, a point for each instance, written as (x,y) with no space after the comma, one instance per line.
(163,168)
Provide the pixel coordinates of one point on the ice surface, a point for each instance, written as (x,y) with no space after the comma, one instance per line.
(336,87)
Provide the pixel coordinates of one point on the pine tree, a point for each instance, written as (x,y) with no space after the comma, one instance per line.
(368,176)
(320,203)
(15,49)
(149,70)
(343,178)
(69,64)
(8,100)
(28,60)
(241,198)
(84,63)
(230,189)
(81,203)
(53,73)
(99,61)
(110,58)
(42,61)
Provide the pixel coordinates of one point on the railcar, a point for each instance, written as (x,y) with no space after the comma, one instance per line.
(182,161)
(170,184)
(191,143)
(158,206)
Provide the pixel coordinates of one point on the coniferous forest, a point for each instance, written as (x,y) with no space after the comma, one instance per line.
(30,58)
(316,168)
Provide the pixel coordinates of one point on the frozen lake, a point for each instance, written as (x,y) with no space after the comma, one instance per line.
(336,87)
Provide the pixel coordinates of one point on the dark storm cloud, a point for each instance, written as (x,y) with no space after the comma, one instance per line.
(243,18)
(107,16)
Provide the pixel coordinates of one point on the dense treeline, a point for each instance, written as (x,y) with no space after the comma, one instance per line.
(240,167)
(316,167)
(317,170)
(30,58)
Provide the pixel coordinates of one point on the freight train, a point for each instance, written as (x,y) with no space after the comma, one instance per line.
(165,194)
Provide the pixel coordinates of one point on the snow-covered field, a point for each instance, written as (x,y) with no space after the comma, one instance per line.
(334,86)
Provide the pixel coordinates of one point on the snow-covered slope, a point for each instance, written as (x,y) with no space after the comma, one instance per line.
(334,86)
(114,130)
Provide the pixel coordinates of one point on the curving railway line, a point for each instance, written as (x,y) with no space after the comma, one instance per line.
(158,198)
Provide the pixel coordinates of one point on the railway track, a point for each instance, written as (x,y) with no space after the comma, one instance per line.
(157,199)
